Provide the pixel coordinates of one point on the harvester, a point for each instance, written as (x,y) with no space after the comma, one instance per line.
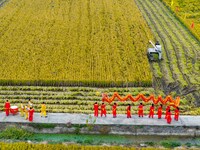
(155,51)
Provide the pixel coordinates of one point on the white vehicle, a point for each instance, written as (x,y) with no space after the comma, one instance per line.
(156,50)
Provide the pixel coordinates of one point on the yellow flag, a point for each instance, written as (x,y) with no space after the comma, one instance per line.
(172,2)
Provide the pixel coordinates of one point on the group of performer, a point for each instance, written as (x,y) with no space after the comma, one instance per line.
(26,111)
(140,111)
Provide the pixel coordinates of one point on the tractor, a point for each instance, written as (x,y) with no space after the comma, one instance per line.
(154,53)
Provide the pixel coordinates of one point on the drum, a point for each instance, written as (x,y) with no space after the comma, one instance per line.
(14,110)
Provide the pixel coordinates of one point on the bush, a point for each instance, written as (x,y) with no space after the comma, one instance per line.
(170,144)
(188,144)
(150,143)
(15,133)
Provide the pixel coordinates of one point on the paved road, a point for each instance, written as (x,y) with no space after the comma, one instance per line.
(63,118)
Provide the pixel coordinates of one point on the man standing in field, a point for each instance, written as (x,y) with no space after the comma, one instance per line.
(22,110)
(26,112)
(168,117)
(151,112)
(103,109)
(43,110)
(114,110)
(176,115)
(96,108)
(7,107)
(30,104)
(167,110)
(128,111)
(140,110)
(160,111)
(31,111)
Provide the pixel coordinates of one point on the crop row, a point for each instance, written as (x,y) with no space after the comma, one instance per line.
(70,89)
(187,11)
(68,99)
(85,105)
(185,46)
(23,145)
(82,43)
(180,68)
(78,100)
(88,108)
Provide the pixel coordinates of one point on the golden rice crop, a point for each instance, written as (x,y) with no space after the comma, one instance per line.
(73,41)
(26,146)
(188,11)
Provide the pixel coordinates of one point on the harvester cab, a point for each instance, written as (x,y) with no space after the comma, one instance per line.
(154,53)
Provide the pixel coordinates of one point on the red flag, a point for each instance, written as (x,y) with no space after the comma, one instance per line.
(192,25)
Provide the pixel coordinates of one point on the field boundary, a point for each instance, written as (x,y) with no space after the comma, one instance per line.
(76,83)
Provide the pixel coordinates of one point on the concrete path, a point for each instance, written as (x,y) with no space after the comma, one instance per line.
(64,118)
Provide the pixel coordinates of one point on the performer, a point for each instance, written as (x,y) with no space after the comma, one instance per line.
(128,110)
(160,111)
(7,107)
(167,109)
(103,109)
(176,115)
(169,118)
(114,110)
(22,110)
(151,112)
(31,111)
(43,110)
(140,110)
(26,109)
(96,108)
(30,104)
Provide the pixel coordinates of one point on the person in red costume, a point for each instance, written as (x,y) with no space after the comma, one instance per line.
(96,109)
(128,110)
(31,111)
(151,111)
(176,115)
(103,109)
(140,110)
(160,111)
(168,116)
(114,110)
(7,107)
(167,109)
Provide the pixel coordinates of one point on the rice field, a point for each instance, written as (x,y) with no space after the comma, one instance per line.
(188,11)
(73,42)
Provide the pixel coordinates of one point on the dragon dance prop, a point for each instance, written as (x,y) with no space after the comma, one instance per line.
(172,102)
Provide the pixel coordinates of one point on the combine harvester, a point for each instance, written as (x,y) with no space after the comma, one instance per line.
(152,52)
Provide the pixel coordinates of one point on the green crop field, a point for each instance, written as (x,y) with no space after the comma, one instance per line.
(73,42)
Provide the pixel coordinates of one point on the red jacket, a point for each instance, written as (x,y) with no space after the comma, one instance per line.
(7,105)
(96,107)
(103,108)
(151,109)
(114,108)
(140,107)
